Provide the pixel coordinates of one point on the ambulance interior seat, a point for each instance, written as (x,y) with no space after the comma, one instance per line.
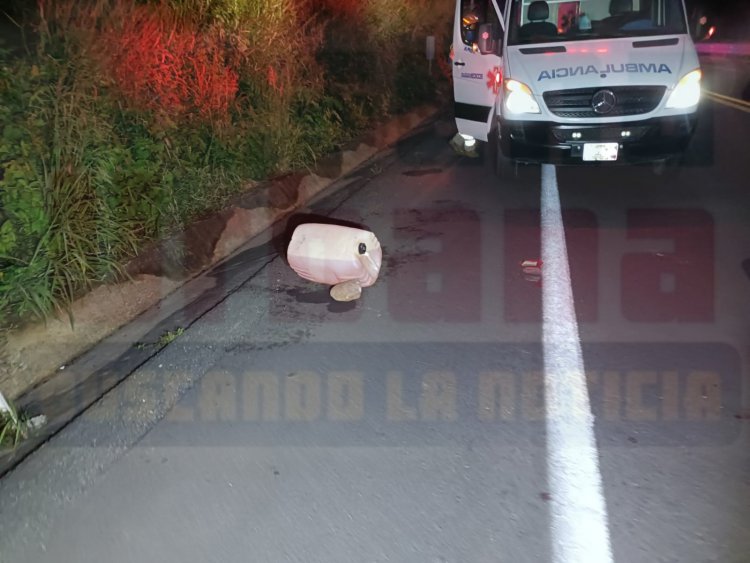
(537,14)
(620,14)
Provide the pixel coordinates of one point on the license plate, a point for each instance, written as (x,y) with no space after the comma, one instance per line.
(600,151)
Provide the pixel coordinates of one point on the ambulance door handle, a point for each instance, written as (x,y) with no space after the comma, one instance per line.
(459,63)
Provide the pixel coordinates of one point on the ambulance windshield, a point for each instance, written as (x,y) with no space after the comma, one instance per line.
(555,21)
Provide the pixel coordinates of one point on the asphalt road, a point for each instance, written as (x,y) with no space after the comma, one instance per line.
(444,416)
(727,75)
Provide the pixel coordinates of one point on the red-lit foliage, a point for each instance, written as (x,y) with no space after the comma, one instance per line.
(170,68)
(273,80)
(341,8)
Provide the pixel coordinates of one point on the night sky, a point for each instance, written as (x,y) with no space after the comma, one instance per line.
(719,7)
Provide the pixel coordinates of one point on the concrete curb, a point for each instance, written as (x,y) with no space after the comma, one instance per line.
(33,354)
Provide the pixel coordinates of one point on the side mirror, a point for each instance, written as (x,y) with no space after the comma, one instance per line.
(487,42)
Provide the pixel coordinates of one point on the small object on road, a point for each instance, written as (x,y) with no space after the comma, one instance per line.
(344,257)
(37,422)
(532,271)
(532,267)
(346,291)
(531,264)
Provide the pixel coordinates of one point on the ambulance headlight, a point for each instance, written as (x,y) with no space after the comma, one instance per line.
(687,93)
(518,98)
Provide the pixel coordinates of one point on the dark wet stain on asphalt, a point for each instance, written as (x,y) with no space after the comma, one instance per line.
(341,307)
(321,297)
(315,297)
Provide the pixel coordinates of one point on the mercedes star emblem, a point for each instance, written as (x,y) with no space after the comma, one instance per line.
(603,101)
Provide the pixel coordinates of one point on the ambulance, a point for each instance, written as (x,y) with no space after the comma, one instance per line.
(575,82)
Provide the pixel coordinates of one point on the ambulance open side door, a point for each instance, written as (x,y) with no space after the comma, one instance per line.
(478,32)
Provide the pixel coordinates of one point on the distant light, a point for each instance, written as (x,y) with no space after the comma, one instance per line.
(485,35)
(626,134)
(711,31)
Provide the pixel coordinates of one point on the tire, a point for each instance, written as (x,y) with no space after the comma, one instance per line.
(502,166)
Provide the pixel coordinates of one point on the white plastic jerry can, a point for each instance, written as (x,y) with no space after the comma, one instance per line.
(344,257)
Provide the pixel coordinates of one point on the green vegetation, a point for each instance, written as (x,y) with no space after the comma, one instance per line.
(123,120)
(165,339)
(170,336)
(13,428)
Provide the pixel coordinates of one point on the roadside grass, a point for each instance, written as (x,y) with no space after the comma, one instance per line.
(164,340)
(14,428)
(123,121)
(170,336)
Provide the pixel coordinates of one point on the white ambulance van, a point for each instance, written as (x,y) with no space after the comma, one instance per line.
(575,82)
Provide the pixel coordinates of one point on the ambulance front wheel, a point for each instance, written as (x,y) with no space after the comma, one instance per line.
(503,166)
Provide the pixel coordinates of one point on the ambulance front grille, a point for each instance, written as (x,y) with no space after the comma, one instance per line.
(630,100)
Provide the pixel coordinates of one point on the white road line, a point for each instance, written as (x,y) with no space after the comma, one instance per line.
(580,531)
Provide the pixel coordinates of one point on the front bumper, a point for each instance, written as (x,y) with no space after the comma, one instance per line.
(549,142)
